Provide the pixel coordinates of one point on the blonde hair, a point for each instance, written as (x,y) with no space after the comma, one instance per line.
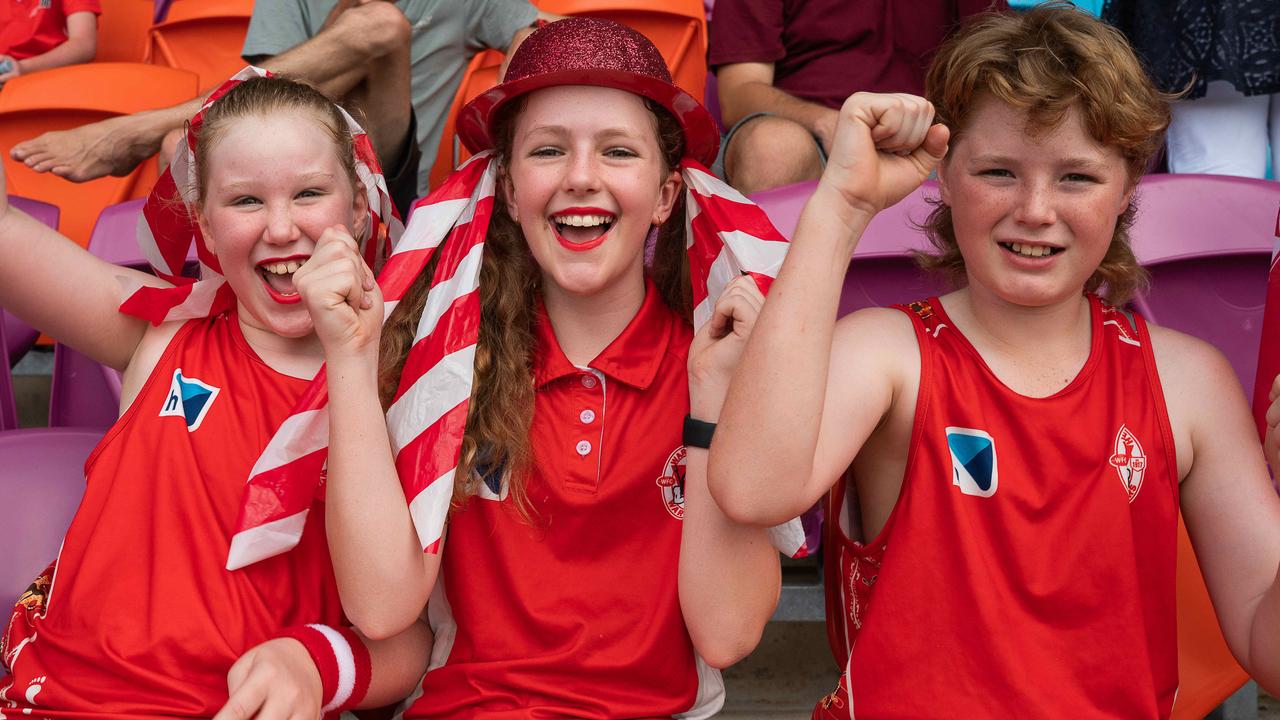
(261,96)
(500,414)
(1047,61)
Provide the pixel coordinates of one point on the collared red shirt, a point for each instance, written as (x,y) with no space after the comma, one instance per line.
(576,614)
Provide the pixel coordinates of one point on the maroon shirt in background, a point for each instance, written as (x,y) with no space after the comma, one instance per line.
(826,50)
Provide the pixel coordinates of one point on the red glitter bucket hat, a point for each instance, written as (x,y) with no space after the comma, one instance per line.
(591,51)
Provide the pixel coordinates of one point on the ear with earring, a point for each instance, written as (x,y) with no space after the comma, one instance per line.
(650,244)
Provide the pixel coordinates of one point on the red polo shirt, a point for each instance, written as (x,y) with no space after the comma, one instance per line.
(576,614)
(34,27)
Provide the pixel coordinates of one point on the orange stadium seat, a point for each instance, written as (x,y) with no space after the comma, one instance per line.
(677,27)
(122,30)
(480,75)
(72,96)
(1207,672)
(202,37)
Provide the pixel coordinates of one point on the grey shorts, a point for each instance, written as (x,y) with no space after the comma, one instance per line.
(718,167)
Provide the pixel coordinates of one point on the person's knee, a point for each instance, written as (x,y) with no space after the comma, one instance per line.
(169,145)
(379,27)
(770,152)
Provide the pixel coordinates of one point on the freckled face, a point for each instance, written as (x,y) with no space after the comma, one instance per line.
(586,181)
(275,183)
(1034,214)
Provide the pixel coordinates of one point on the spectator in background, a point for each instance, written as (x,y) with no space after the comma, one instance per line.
(1226,55)
(45,34)
(388,61)
(784,67)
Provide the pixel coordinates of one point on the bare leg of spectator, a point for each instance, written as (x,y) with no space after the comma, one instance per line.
(168,146)
(364,55)
(361,59)
(769,152)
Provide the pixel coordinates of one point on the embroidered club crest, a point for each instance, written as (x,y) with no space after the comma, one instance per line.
(1129,461)
(973,461)
(671,482)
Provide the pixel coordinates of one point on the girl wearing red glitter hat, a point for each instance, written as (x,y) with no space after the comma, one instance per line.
(587,572)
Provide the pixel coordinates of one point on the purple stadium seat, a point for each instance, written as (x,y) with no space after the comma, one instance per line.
(115,234)
(162,10)
(21,336)
(711,99)
(85,393)
(1206,239)
(41,484)
(882,271)
(8,411)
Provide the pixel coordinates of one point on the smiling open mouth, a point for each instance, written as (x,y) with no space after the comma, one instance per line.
(277,276)
(582,231)
(1031,251)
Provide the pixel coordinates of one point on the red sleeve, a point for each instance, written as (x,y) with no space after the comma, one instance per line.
(74,6)
(746,31)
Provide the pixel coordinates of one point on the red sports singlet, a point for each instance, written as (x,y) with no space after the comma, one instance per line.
(1027,569)
(142,620)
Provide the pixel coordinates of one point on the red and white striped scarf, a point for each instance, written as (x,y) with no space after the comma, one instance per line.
(727,235)
(167,228)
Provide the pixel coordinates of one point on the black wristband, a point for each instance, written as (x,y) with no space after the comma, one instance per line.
(697,433)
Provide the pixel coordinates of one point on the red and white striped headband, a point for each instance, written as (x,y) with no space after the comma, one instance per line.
(728,235)
(168,228)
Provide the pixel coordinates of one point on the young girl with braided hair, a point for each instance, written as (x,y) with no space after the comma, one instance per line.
(585,572)
(138,617)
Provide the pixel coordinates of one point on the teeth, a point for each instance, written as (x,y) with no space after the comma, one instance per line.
(1030,250)
(282,268)
(582,220)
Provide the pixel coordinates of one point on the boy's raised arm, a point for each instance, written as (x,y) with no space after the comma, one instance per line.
(766,463)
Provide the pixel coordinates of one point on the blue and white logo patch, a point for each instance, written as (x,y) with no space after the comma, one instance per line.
(189,399)
(973,461)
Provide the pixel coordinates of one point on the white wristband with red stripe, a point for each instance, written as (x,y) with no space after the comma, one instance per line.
(342,660)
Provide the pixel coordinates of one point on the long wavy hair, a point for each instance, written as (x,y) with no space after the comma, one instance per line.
(1047,61)
(501,410)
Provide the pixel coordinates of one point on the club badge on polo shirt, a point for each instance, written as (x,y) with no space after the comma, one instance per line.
(189,399)
(671,482)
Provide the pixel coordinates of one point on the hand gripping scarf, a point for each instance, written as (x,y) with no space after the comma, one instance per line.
(167,229)
(727,236)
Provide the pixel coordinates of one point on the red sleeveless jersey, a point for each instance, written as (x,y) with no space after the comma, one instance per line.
(1027,569)
(142,619)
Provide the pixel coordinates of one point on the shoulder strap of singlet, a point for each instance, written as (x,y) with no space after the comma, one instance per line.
(1128,324)
(923,315)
